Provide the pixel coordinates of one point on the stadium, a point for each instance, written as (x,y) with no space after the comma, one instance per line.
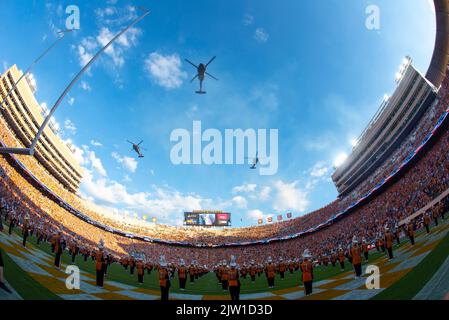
(390,213)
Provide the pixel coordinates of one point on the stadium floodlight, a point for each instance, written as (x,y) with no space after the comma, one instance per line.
(61,35)
(30,151)
(406,62)
(340,159)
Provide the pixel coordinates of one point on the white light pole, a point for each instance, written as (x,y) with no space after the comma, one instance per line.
(30,151)
(61,35)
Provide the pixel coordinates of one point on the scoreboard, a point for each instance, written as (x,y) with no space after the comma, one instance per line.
(207,219)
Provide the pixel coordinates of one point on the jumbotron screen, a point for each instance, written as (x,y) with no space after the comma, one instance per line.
(207,219)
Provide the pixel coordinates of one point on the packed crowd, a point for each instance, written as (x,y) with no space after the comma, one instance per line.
(427,178)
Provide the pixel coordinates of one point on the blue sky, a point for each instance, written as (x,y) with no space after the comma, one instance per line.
(310,69)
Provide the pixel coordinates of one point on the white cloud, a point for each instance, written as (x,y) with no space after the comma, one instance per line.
(70,126)
(71,101)
(115,16)
(96,163)
(103,39)
(128,163)
(162,203)
(165,70)
(88,158)
(240,202)
(320,169)
(116,51)
(256,214)
(261,35)
(245,188)
(85,86)
(84,56)
(5,66)
(264,194)
(96,143)
(289,197)
(248,20)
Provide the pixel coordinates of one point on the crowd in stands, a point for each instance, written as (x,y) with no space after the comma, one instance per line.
(421,183)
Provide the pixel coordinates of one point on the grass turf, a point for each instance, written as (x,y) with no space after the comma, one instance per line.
(205,285)
(24,284)
(408,286)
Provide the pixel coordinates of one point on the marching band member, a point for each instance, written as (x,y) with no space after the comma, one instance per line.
(381,242)
(270,271)
(341,258)
(25,230)
(356,254)
(140,266)
(164,279)
(389,242)
(234,282)
(325,260)
(12,224)
(282,268)
(244,271)
(435,215)
(291,266)
(426,222)
(411,232)
(192,273)
(75,250)
(333,258)
(58,249)
(365,249)
(252,271)
(182,275)
(397,234)
(132,263)
(149,267)
(225,277)
(99,264)
(307,272)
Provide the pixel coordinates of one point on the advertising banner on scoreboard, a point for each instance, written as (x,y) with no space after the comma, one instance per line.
(207,219)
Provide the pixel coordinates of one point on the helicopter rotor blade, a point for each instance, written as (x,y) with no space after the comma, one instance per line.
(129,141)
(187,60)
(140,143)
(211,76)
(194,78)
(210,61)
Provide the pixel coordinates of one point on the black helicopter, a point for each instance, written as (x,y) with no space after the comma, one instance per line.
(201,73)
(137,148)
(255,162)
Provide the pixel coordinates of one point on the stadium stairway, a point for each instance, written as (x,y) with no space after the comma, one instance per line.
(38,265)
